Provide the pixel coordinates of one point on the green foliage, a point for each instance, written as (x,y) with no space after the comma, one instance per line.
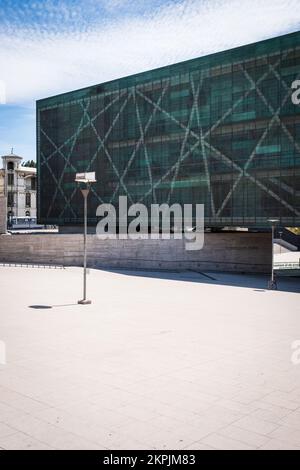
(295,230)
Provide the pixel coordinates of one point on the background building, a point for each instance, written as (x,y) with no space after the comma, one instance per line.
(220,130)
(18,184)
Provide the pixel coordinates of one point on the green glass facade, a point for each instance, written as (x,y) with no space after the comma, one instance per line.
(220,130)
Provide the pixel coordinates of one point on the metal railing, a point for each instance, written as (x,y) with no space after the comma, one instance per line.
(287,265)
(29,265)
(288,236)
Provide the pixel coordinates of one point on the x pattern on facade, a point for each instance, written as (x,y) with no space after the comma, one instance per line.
(196,141)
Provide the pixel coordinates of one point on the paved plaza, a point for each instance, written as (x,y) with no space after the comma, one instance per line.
(157,361)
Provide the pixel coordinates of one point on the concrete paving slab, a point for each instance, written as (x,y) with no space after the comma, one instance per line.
(157,361)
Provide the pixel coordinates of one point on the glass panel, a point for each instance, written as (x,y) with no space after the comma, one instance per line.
(220,130)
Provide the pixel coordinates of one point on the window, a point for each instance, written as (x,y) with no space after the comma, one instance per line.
(10,199)
(28,200)
(10,179)
(10,166)
(33,184)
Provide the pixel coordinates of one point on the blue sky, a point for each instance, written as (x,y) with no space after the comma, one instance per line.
(52,46)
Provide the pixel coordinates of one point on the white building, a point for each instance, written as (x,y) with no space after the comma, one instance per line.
(18,184)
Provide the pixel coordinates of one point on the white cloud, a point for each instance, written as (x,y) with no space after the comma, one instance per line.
(36,64)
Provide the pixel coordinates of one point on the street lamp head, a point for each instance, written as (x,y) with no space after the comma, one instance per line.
(85,177)
(273,221)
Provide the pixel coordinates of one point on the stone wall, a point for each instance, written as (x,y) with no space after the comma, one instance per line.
(3,214)
(236,252)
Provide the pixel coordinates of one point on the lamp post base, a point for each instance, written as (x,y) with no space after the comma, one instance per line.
(84,302)
(272,285)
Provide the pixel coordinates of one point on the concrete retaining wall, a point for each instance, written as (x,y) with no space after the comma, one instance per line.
(236,252)
(3,214)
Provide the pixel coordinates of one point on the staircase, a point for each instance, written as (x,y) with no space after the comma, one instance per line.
(287,239)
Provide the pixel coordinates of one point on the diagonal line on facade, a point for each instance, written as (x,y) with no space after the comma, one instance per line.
(139,143)
(101,144)
(283,126)
(186,135)
(227,113)
(218,153)
(271,108)
(111,127)
(206,166)
(252,179)
(200,140)
(248,162)
(184,142)
(142,140)
(97,195)
(285,187)
(274,118)
(67,161)
(56,182)
(241,99)
(157,183)
(58,149)
(83,127)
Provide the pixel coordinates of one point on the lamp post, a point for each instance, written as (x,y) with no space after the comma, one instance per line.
(280,234)
(87,179)
(272,283)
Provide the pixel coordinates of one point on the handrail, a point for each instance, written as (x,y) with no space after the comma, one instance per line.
(287,264)
(29,265)
(288,236)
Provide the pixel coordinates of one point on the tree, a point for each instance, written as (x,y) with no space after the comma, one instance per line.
(295,230)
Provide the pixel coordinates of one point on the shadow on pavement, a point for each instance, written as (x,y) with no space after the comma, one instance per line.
(44,307)
(257,282)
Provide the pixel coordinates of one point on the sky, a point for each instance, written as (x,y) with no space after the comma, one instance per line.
(49,47)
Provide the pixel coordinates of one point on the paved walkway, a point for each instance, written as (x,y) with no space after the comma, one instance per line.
(158,361)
